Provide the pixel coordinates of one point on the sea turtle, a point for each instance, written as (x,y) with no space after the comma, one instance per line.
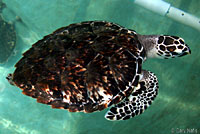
(92,65)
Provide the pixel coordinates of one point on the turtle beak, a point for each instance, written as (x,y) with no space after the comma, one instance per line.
(186,52)
(189,52)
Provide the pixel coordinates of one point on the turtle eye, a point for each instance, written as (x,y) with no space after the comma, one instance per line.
(171,48)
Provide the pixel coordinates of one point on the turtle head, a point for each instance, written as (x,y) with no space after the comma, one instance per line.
(164,46)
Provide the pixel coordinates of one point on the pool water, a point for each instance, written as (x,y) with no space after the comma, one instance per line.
(176,109)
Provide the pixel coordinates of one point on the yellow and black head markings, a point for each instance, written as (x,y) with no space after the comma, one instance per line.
(92,65)
(171,47)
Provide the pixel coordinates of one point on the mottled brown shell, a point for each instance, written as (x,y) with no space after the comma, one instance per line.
(85,66)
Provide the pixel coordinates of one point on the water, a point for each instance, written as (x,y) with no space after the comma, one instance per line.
(176,107)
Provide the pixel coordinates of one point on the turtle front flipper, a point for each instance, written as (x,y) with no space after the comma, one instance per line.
(141,98)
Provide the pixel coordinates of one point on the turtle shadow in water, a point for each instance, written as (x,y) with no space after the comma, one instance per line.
(8,35)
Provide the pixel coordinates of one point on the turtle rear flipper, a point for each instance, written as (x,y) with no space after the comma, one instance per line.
(141,98)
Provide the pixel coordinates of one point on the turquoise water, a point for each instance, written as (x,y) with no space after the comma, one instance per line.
(177,106)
